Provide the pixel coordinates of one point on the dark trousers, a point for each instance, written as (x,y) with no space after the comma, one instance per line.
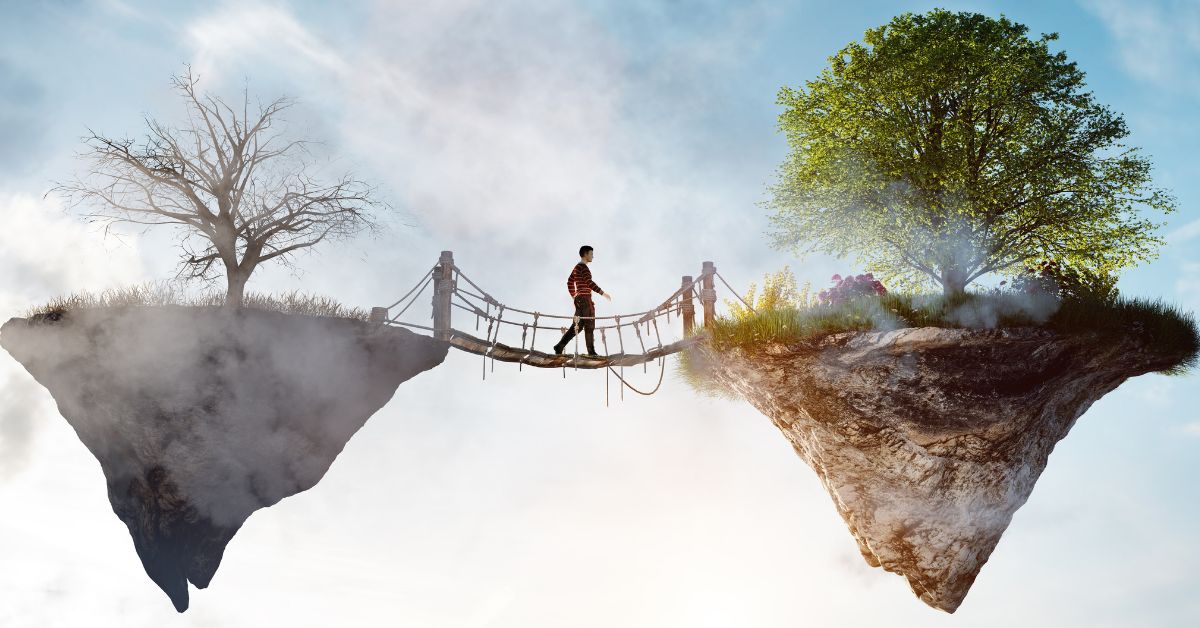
(583,307)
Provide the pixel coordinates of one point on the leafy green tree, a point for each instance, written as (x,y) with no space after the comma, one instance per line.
(946,146)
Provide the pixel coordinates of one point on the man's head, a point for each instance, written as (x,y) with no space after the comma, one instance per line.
(585,253)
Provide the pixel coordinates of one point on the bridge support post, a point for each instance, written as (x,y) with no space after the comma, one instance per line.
(688,308)
(708,293)
(443,289)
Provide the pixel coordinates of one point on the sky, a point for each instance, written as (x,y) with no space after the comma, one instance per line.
(510,133)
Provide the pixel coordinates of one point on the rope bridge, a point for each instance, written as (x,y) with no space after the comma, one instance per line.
(452,289)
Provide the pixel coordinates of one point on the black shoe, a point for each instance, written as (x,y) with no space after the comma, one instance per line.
(558,350)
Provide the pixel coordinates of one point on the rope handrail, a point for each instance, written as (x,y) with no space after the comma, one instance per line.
(475,310)
(424,285)
(735,293)
(667,304)
(426,328)
(428,273)
(645,315)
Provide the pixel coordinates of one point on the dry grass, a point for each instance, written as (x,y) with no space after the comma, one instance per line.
(151,294)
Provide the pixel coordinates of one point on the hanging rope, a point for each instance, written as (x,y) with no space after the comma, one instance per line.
(637,329)
(524,328)
(661,369)
(499,317)
(604,341)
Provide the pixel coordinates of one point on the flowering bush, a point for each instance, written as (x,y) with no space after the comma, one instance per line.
(850,287)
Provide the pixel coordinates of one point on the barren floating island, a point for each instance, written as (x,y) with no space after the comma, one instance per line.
(201,415)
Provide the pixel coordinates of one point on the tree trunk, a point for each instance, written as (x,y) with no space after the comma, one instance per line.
(953,283)
(236,291)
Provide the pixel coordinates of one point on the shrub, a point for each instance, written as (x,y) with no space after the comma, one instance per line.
(1066,281)
(779,291)
(851,287)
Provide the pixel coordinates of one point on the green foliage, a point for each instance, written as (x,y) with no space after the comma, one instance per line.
(946,146)
(161,293)
(779,291)
(1066,281)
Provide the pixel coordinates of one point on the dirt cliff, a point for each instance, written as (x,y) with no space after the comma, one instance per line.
(201,416)
(929,439)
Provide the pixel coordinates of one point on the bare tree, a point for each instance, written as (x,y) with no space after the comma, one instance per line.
(239,192)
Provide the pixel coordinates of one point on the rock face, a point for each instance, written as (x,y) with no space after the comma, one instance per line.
(929,439)
(199,417)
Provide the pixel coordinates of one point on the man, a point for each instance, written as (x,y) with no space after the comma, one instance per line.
(581,287)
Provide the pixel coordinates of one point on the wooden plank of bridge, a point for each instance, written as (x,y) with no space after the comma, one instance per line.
(505,353)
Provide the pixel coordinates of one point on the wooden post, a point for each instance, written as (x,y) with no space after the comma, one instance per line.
(689,306)
(708,293)
(443,289)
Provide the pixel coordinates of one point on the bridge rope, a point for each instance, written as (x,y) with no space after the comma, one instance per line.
(735,293)
(474,300)
(662,368)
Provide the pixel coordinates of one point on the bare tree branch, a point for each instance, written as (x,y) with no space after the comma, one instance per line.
(225,178)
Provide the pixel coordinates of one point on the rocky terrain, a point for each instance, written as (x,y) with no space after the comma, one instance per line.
(929,439)
(201,416)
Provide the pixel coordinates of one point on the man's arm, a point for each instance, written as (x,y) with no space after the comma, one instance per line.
(592,284)
(595,288)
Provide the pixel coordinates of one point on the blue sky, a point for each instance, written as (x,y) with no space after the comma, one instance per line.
(508,133)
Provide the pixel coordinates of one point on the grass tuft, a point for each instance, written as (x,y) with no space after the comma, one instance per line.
(161,293)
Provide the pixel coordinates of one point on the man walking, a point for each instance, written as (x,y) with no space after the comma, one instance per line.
(581,287)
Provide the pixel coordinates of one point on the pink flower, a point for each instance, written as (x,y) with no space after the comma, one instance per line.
(837,278)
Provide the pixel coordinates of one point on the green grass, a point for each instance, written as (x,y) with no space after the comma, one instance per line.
(153,294)
(1167,328)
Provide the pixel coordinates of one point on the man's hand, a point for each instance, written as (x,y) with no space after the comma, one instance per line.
(607,296)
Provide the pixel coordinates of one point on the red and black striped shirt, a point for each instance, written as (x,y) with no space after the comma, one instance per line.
(580,282)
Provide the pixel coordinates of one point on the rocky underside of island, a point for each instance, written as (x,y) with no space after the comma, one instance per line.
(929,439)
(200,416)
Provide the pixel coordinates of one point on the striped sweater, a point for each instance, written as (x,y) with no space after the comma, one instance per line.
(580,282)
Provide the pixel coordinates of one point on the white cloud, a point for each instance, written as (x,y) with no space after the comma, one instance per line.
(45,253)
(1187,286)
(1158,41)
(1184,233)
(237,31)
